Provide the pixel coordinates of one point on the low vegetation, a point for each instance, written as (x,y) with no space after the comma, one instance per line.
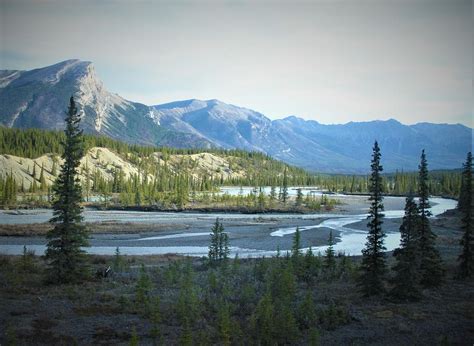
(294,298)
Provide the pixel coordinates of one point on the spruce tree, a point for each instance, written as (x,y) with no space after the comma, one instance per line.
(373,268)
(214,242)
(465,194)
(219,243)
(66,258)
(431,267)
(42,179)
(284,193)
(295,249)
(330,259)
(299,197)
(407,279)
(273,195)
(466,258)
(54,168)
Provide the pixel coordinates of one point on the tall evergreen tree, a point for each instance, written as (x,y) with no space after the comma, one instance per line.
(284,193)
(373,267)
(54,168)
(465,194)
(42,179)
(330,259)
(431,267)
(273,195)
(219,243)
(466,258)
(66,258)
(295,249)
(299,197)
(9,190)
(407,279)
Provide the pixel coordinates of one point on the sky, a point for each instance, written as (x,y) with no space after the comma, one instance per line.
(330,61)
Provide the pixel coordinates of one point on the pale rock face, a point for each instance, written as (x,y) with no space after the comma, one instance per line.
(105,162)
(40,97)
(8,76)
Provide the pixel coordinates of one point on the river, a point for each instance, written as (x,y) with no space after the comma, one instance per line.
(250,235)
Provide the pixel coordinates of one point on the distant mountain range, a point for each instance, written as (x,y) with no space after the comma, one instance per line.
(38,98)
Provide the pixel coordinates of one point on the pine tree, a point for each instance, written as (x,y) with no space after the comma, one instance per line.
(295,249)
(261,200)
(87,182)
(138,198)
(54,169)
(42,179)
(263,321)
(407,278)
(214,242)
(155,319)
(33,187)
(223,243)
(465,195)
(9,190)
(431,267)
(284,193)
(466,258)
(66,258)
(187,305)
(373,266)
(224,323)
(330,258)
(143,288)
(299,197)
(219,243)
(307,311)
(273,195)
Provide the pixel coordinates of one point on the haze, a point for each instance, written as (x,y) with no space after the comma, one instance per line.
(333,62)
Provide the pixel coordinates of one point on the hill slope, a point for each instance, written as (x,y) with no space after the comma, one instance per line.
(104,162)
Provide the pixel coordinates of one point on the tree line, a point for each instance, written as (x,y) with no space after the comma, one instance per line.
(418,261)
(172,186)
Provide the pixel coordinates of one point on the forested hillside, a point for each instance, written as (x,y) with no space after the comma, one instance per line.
(142,175)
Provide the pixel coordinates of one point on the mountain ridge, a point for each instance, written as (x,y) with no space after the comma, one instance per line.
(36,98)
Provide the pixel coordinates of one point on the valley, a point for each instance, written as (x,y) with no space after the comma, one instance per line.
(226,173)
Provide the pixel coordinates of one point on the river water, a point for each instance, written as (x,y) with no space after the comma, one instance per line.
(250,235)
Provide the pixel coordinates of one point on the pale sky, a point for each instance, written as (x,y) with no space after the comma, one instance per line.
(331,61)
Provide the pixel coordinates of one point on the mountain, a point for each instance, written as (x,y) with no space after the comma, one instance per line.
(314,146)
(225,125)
(38,98)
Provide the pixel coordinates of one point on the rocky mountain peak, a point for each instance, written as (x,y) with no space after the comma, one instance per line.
(38,98)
